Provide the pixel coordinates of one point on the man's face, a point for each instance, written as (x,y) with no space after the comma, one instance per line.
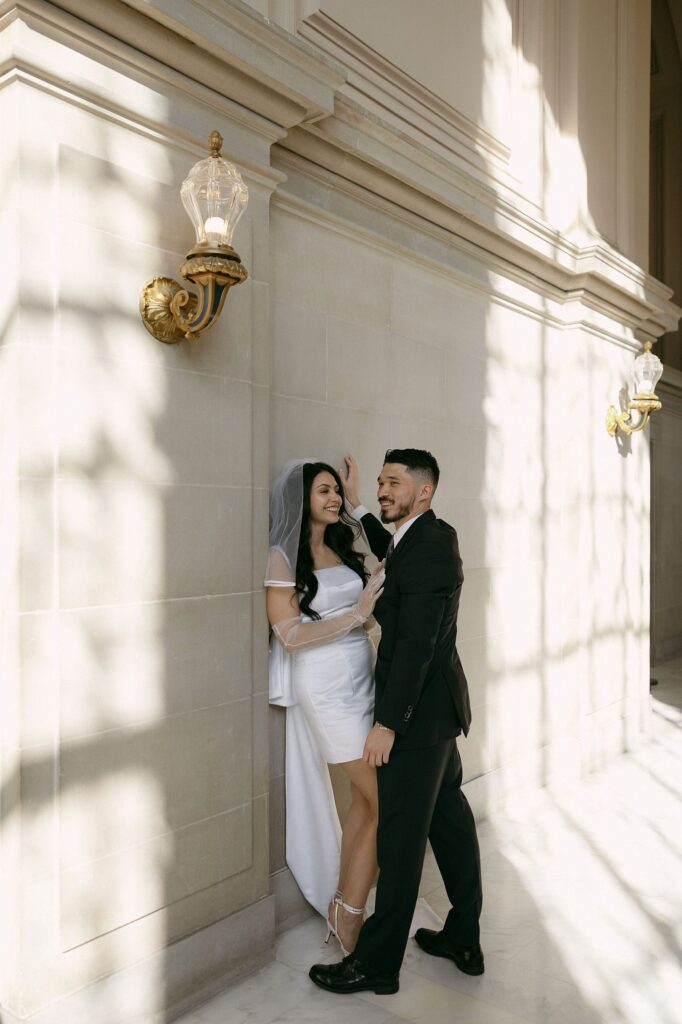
(398,492)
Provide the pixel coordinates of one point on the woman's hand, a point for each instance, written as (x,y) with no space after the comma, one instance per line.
(372,592)
(350,475)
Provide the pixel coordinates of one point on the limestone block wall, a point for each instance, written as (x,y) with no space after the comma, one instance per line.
(140,732)
(378,347)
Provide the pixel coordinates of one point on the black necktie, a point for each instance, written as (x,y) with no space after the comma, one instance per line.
(389,550)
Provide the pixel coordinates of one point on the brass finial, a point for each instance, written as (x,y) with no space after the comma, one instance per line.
(648,345)
(215,141)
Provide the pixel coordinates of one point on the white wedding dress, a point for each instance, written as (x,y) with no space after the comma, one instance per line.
(328,691)
(333,683)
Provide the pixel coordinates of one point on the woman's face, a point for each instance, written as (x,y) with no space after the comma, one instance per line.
(325,499)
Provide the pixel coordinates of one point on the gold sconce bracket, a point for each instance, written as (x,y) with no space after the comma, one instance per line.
(643,404)
(171,313)
(155,309)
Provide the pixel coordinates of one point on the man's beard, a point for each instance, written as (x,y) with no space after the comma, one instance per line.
(393,512)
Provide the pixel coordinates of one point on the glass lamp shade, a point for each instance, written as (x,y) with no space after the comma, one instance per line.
(214,196)
(647,372)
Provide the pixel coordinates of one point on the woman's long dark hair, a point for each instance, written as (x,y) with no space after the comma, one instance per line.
(338,536)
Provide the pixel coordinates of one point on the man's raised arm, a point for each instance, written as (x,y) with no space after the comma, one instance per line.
(377,536)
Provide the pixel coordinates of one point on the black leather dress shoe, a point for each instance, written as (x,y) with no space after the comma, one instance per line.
(349,975)
(469,959)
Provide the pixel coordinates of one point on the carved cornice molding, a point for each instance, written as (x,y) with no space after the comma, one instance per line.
(241,38)
(380,86)
(360,148)
(222,55)
(224,46)
(500,280)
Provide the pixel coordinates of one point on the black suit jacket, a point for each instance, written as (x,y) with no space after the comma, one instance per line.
(421,689)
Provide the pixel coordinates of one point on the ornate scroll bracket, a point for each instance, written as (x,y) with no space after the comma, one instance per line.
(171,313)
(644,405)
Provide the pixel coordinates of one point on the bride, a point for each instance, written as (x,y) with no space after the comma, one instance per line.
(319,597)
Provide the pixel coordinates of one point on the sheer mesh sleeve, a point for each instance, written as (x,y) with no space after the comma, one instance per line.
(294,634)
(278,571)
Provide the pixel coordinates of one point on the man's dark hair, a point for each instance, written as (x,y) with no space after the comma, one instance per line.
(417,461)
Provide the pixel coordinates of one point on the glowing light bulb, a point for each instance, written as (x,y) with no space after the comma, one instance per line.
(215,227)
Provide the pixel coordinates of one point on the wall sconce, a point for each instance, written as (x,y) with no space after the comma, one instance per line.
(214,197)
(646,374)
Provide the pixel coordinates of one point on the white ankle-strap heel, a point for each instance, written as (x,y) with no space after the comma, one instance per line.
(336,899)
(333,929)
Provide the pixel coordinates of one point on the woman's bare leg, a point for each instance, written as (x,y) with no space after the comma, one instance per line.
(353,824)
(361,854)
(355,820)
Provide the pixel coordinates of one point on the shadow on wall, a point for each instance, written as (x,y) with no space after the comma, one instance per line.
(137,772)
(567,615)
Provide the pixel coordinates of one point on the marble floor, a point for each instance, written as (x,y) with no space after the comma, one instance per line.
(582,922)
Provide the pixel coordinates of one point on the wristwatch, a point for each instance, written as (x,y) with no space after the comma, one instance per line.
(384,728)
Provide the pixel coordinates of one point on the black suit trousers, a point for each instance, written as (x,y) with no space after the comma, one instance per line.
(420,797)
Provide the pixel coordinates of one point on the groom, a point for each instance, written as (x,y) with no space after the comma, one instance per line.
(422,704)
